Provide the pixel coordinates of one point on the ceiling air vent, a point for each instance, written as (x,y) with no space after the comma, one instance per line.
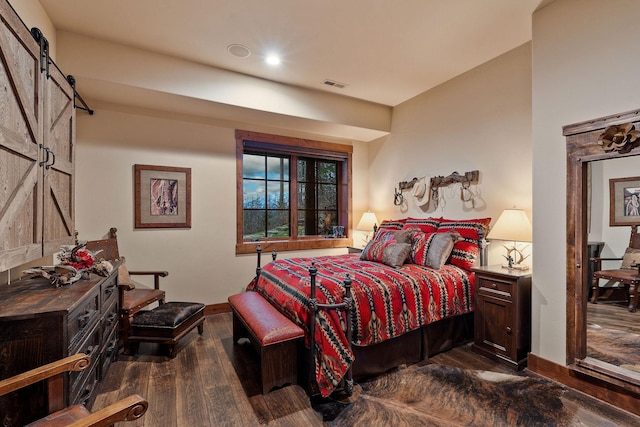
(334,83)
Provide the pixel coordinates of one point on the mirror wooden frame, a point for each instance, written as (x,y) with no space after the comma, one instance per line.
(582,148)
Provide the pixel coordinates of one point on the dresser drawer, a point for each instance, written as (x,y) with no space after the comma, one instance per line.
(91,347)
(495,288)
(110,318)
(83,392)
(109,289)
(83,318)
(110,353)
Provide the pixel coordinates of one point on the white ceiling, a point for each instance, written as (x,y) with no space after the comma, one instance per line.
(385,51)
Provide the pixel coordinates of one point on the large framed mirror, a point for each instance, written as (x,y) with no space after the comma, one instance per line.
(589,166)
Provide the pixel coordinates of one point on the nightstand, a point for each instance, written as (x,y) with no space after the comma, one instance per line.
(353,250)
(502,321)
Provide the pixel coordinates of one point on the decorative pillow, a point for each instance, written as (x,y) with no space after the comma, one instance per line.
(123,274)
(395,254)
(398,236)
(432,249)
(631,258)
(426,225)
(388,247)
(465,251)
(391,224)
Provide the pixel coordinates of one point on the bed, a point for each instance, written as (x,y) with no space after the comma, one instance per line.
(408,296)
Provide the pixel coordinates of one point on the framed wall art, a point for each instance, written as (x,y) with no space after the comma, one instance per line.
(162,197)
(624,194)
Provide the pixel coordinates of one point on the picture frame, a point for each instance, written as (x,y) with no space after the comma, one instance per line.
(162,196)
(624,201)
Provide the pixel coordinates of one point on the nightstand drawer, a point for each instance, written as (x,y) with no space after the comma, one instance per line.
(496,288)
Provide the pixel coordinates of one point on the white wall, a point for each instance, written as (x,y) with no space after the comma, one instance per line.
(584,67)
(480,120)
(201,260)
(33,15)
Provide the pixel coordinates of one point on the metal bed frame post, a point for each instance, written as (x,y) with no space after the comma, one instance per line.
(314,307)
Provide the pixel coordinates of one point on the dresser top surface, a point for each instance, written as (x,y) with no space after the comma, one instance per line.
(29,297)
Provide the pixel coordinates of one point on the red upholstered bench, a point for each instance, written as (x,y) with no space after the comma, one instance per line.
(273,335)
(166,324)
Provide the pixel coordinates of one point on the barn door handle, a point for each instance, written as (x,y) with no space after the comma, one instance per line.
(53,162)
(46,160)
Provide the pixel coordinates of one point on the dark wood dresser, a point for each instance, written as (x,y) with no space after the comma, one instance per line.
(40,323)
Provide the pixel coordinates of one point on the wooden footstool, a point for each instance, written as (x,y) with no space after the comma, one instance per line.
(166,324)
(275,337)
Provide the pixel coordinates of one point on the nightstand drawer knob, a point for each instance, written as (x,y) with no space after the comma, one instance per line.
(508,330)
(494,286)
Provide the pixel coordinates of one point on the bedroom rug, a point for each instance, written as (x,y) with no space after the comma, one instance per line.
(438,395)
(619,348)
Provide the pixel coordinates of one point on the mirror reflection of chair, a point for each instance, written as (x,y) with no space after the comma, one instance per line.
(127,409)
(133,298)
(628,275)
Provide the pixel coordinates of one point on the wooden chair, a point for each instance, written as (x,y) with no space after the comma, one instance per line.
(133,297)
(128,409)
(629,276)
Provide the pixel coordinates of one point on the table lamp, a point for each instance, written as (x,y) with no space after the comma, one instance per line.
(513,225)
(368,223)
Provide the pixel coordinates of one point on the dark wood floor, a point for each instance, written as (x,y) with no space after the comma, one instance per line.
(614,315)
(211,382)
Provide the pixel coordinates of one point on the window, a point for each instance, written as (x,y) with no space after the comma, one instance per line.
(291,192)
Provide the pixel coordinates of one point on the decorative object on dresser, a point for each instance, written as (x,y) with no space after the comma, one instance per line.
(133,297)
(37,139)
(628,274)
(61,414)
(40,324)
(503,315)
(513,225)
(163,197)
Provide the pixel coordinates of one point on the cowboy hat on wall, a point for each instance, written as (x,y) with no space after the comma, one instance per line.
(421,192)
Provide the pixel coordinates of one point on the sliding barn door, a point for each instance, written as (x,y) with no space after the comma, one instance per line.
(59,123)
(37,134)
(21,136)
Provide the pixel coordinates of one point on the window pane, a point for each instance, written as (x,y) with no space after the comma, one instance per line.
(302,194)
(278,223)
(254,225)
(307,223)
(327,196)
(326,221)
(254,194)
(278,195)
(278,168)
(327,172)
(253,166)
(303,166)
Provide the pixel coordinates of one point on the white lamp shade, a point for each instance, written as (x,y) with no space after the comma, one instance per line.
(367,222)
(513,225)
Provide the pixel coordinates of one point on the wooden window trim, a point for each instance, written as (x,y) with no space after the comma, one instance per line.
(302,147)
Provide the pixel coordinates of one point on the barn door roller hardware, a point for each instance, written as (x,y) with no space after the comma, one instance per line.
(85,107)
(45,61)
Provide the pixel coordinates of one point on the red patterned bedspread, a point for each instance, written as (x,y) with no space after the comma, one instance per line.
(388,302)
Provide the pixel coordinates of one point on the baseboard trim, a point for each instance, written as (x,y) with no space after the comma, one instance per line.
(602,390)
(212,309)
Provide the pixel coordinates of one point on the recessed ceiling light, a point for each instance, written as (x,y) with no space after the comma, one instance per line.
(272,59)
(238,50)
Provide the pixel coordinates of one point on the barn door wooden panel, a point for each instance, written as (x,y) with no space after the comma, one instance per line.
(59,122)
(21,137)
